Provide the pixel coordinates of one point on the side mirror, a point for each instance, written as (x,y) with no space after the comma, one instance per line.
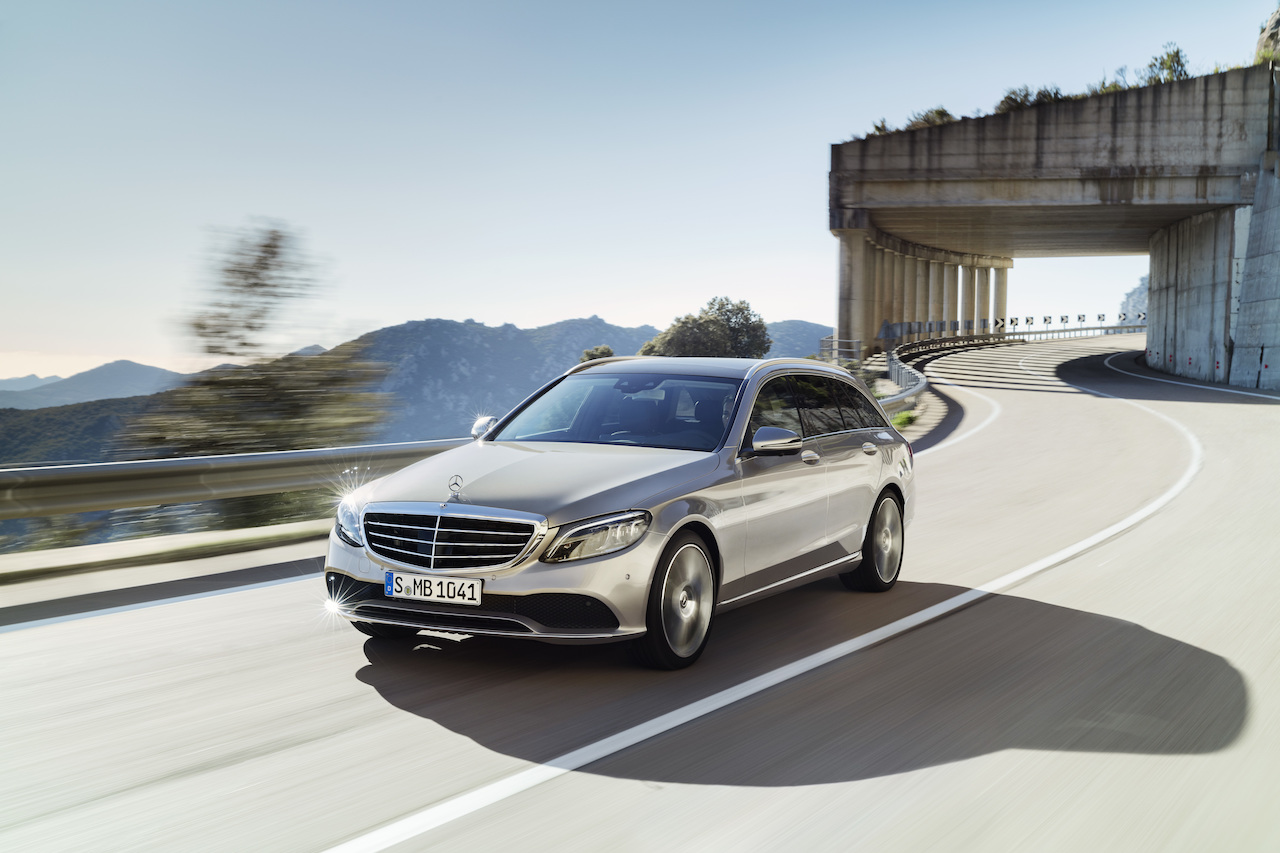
(775,441)
(481,427)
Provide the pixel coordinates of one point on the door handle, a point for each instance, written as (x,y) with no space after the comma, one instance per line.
(810,458)
(869,448)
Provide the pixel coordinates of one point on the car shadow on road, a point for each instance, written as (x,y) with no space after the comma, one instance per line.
(1005,673)
(953,414)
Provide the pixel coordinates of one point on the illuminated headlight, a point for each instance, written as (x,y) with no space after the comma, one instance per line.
(348,524)
(599,536)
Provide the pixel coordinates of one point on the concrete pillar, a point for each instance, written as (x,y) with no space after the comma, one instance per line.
(933,299)
(968,295)
(1001,296)
(895,291)
(982,302)
(921,313)
(908,294)
(880,262)
(856,305)
(950,297)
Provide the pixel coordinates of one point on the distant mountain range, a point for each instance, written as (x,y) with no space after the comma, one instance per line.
(110,381)
(22,383)
(796,338)
(441,375)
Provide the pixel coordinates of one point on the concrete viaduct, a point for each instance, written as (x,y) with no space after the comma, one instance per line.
(930,220)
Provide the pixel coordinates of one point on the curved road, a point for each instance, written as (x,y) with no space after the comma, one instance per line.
(1103,673)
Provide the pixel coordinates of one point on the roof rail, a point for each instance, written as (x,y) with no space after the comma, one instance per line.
(593,362)
(798,362)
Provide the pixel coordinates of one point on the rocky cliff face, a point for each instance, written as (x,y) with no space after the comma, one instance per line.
(1135,302)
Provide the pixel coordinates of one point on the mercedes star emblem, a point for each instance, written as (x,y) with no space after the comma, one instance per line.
(455,484)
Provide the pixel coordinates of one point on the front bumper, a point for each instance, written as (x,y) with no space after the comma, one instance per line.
(597,600)
(552,616)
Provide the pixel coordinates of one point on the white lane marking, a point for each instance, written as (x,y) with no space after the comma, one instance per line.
(142,605)
(449,810)
(996,411)
(1271,397)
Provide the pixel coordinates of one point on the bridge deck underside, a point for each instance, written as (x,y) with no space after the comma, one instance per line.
(1035,231)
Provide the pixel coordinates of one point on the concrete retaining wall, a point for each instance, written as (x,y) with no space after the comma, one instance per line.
(1213,301)
(1256,360)
(1209,125)
(1189,296)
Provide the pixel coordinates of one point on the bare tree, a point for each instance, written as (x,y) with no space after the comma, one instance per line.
(263,403)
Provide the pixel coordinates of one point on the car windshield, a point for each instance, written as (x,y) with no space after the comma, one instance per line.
(646,409)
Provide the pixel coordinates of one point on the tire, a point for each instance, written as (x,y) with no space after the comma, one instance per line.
(881,549)
(681,603)
(385,632)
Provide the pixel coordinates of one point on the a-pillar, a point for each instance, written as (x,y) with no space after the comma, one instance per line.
(1001,296)
(968,295)
(982,303)
(908,313)
(950,297)
(933,299)
(857,299)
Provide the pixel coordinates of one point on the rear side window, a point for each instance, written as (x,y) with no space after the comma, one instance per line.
(858,411)
(775,407)
(819,408)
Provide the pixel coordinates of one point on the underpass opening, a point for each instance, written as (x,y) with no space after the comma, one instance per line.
(930,220)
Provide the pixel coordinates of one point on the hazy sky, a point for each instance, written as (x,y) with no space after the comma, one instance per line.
(509,162)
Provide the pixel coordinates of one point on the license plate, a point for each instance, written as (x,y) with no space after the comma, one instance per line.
(424,588)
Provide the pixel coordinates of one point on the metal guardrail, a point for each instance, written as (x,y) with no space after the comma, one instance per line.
(957,342)
(57,489)
(836,350)
(1079,332)
(914,383)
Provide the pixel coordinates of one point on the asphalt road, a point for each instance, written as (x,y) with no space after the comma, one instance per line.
(1121,693)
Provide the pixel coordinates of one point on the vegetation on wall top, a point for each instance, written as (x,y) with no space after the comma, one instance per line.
(1166,67)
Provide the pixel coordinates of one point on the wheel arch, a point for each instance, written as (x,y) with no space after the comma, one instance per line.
(896,491)
(704,532)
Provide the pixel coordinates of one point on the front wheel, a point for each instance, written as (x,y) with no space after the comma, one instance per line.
(681,601)
(881,549)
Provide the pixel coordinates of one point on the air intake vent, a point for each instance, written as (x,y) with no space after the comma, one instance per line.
(444,542)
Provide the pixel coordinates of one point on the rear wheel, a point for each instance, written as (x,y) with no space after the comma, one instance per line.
(384,632)
(681,601)
(881,549)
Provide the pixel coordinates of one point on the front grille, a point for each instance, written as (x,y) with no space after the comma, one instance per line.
(446,541)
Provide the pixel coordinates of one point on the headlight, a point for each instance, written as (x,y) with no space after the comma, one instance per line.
(348,524)
(599,536)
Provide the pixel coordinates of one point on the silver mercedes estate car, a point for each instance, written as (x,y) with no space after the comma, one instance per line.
(632,499)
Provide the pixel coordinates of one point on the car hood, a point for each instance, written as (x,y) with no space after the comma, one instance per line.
(561,481)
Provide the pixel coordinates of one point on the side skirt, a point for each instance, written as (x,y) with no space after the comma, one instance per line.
(834,567)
